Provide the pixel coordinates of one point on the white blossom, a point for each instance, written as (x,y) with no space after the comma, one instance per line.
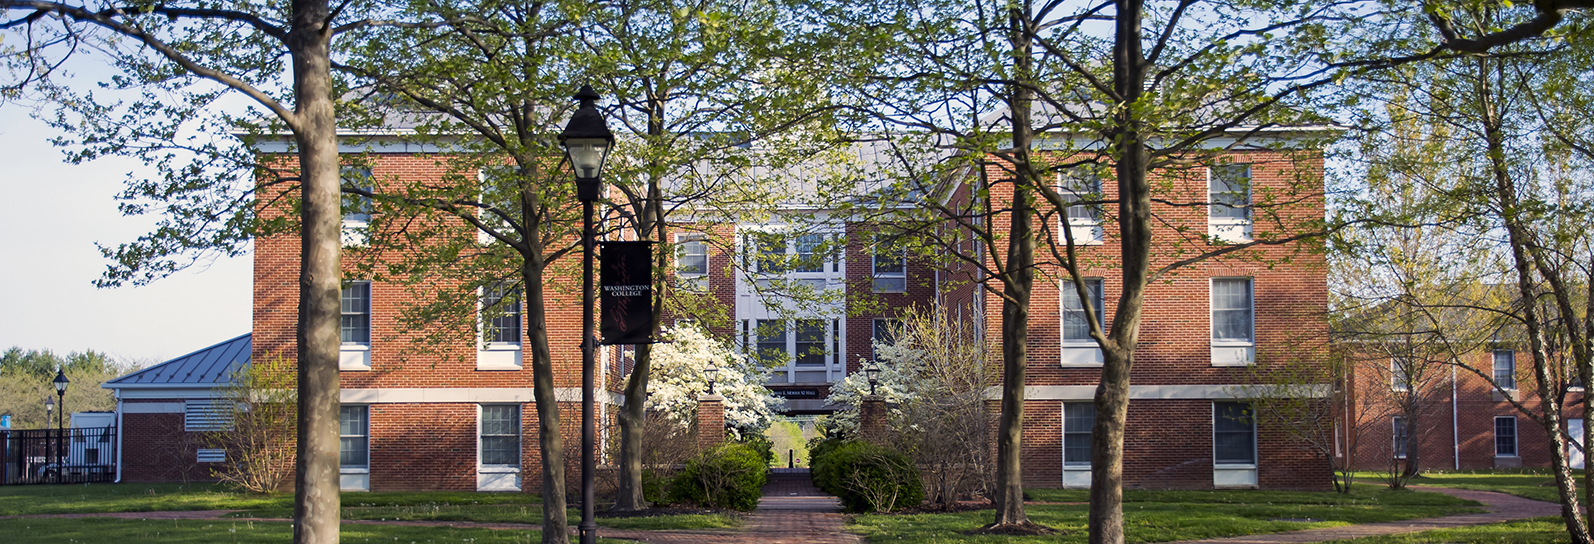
(679,377)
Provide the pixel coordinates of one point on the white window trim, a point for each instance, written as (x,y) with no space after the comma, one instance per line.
(355,356)
(356,469)
(829,268)
(1231,352)
(875,274)
(1494,363)
(355,229)
(1229,229)
(1396,383)
(1085,231)
(1396,423)
(1255,442)
(497,355)
(1516,442)
(500,469)
(694,281)
(1077,353)
(1064,429)
(831,342)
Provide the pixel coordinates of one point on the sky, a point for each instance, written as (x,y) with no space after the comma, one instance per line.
(51,216)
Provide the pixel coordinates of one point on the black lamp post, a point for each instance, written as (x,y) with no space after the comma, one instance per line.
(60,382)
(872,372)
(711,372)
(587,141)
(49,408)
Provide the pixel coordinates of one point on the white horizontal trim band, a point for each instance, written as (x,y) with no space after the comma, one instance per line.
(1148,392)
(473,395)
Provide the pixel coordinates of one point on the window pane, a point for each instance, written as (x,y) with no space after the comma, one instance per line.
(1075,327)
(353,444)
(808,257)
(1231,309)
(1233,433)
(1505,436)
(769,252)
(1081,185)
(886,332)
(1399,424)
(503,303)
(356,207)
(771,341)
(1078,418)
(810,342)
(1505,369)
(1231,191)
(354,325)
(500,435)
(694,257)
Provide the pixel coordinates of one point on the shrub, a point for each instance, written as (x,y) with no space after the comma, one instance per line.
(761,444)
(866,477)
(730,476)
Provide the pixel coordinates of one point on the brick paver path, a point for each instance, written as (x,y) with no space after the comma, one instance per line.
(1499,507)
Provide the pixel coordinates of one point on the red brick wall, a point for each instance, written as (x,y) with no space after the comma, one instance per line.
(157,449)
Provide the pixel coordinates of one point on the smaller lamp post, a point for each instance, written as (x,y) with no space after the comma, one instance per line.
(712,372)
(873,373)
(49,410)
(60,383)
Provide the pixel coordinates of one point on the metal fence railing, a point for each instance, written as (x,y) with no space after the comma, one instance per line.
(51,456)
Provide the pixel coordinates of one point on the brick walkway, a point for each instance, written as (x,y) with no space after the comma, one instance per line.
(792,511)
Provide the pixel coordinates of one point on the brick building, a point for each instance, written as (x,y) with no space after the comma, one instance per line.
(461,416)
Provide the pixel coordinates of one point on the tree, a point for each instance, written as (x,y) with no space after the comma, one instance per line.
(259,401)
(25,382)
(682,362)
(184,56)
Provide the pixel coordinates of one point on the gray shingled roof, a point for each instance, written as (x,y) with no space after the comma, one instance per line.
(205,368)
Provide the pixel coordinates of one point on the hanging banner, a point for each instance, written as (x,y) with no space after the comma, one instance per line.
(625,287)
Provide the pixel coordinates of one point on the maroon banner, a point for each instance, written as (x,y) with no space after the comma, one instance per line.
(625,292)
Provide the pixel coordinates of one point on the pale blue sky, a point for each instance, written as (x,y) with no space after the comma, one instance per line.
(51,215)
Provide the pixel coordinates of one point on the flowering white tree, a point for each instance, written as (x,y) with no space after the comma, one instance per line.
(901,379)
(680,367)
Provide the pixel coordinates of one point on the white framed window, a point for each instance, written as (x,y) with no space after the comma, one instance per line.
(889,268)
(768,250)
(356,208)
(1229,202)
(1082,220)
(1505,369)
(501,328)
(691,261)
(354,447)
(1078,348)
(1505,436)
(498,447)
(354,326)
(796,351)
(1398,432)
(1233,322)
(1233,444)
(1078,420)
(810,253)
(1400,374)
(885,332)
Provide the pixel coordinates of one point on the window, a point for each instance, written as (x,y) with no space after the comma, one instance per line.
(1232,320)
(205,415)
(889,267)
(810,342)
(1076,329)
(1505,436)
(1400,374)
(1505,369)
(810,256)
(355,323)
(353,437)
(1230,192)
(1399,424)
(693,258)
(885,333)
(1082,220)
(356,208)
(769,252)
(1233,434)
(501,305)
(1078,419)
(500,435)
(771,342)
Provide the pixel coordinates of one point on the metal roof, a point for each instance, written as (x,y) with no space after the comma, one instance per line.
(205,368)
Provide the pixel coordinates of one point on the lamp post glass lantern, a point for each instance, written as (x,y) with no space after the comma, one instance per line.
(587,140)
(872,372)
(711,372)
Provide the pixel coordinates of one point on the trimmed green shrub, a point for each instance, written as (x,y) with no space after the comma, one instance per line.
(730,476)
(866,477)
(762,444)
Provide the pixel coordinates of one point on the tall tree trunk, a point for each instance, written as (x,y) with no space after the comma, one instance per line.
(1017,283)
(555,525)
(315,506)
(633,416)
(1106,517)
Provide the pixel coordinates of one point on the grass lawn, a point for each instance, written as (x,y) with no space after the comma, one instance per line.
(120,531)
(1528,531)
(1532,484)
(507,513)
(1161,516)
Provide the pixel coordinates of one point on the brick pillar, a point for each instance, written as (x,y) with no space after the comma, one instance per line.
(872,420)
(710,421)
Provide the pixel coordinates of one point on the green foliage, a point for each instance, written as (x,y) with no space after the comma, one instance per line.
(867,478)
(25,382)
(761,443)
(730,476)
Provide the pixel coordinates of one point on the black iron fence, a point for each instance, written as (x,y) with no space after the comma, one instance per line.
(50,456)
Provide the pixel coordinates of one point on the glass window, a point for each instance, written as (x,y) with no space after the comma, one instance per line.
(1505,369)
(810,257)
(810,348)
(356,208)
(769,252)
(771,341)
(886,332)
(1400,374)
(890,269)
(1076,329)
(1233,434)
(500,434)
(1231,310)
(1230,192)
(354,437)
(1081,185)
(1505,436)
(1078,418)
(693,259)
(1399,433)
(355,323)
(502,303)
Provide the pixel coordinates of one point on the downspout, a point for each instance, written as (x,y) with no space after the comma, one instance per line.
(1455,425)
(120,435)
